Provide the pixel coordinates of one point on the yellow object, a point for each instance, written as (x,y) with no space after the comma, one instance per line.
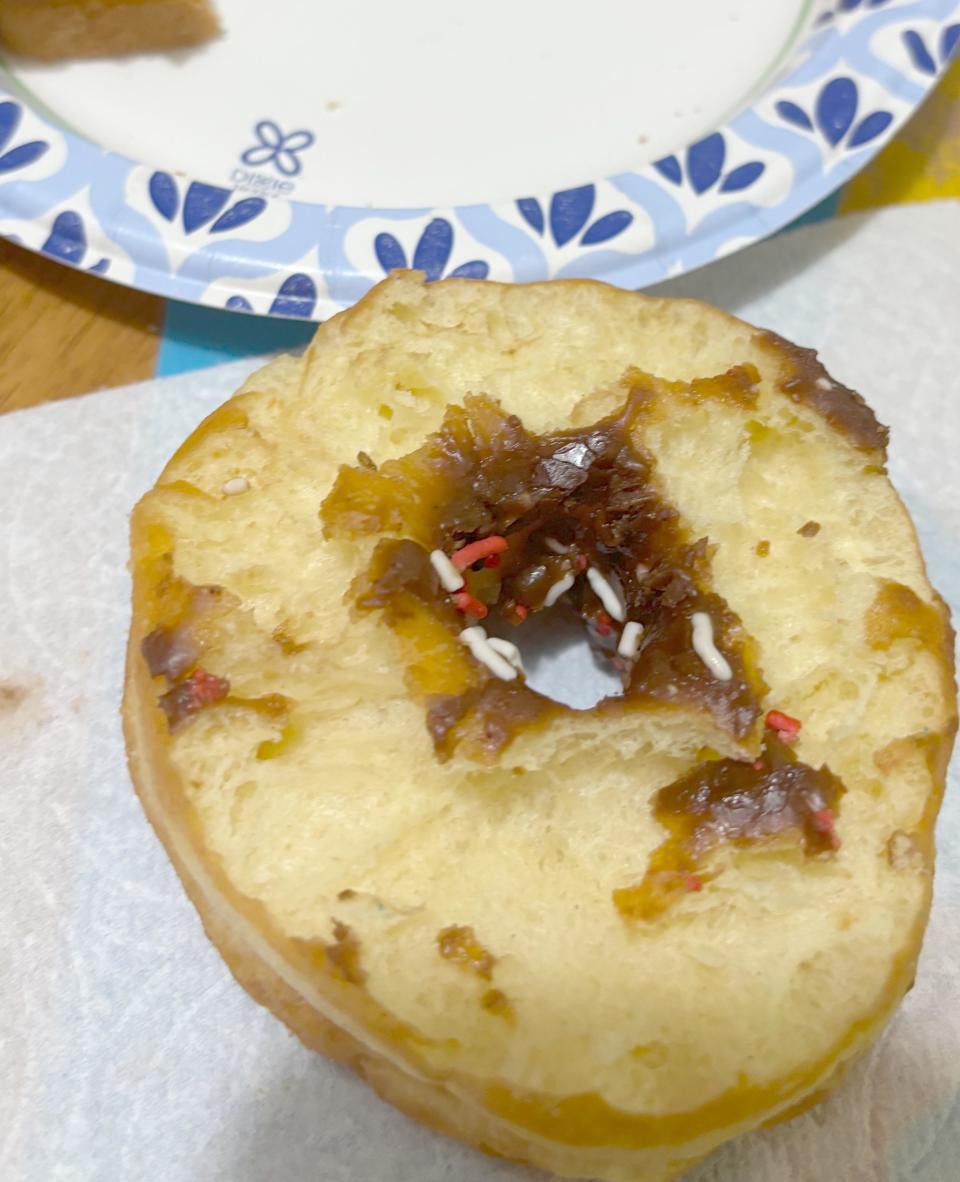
(922,163)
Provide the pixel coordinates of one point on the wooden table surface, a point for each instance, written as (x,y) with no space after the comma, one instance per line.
(64,332)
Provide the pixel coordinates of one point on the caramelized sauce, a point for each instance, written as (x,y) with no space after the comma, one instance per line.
(343,955)
(898,613)
(174,648)
(725,800)
(461,945)
(591,493)
(808,383)
(496,1002)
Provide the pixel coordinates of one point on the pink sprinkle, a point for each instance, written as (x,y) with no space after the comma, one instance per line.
(469,554)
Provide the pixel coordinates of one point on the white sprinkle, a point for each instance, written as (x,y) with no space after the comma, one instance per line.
(706,650)
(450,577)
(506,648)
(641,571)
(476,640)
(234,486)
(558,588)
(555,546)
(630,639)
(606,594)
(824,383)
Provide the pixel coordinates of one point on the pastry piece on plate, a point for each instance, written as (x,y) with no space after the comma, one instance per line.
(55,29)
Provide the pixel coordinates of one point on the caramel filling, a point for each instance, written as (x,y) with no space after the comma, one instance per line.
(580,525)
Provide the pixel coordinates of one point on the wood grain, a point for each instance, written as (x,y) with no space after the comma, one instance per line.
(64,332)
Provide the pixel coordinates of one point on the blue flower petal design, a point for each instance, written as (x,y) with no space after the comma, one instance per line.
(669,167)
(949,39)
(532,213)
(607,227)
(742,177)
(238,303)
(262,154)
(705,162)
(22,156)
(163,193)
(791,113)
(100,267)
(202,204)
(10,114)
(296,297)
(919,54)
(569,211)
(432,252)
(475,269)
(836,108)
(239,214)
(68,239)
(389,252)
(868,129)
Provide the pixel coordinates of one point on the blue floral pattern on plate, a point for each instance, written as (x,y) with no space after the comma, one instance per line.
(202,205)
(67,241)
(431,254)
(836,102)
(835,115)
(296,299)
(705,167)
(15,156)
(570,212)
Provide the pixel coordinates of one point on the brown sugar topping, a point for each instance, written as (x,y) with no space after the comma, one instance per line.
(461,945)
(725,800)
(808,383)
(571,520)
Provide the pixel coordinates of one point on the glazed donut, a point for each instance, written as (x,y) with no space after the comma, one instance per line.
(601,941)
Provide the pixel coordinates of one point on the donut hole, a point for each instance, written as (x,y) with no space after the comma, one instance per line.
(559,660)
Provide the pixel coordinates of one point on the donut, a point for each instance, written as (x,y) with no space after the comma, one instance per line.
(597,940)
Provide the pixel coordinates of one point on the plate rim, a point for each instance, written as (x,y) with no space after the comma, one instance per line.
(831,107)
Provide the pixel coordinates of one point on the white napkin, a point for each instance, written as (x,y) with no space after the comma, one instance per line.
(126,1049)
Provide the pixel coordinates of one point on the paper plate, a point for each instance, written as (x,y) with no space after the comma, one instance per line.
(624,140)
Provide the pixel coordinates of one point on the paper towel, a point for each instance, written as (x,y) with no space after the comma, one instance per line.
(126,1049)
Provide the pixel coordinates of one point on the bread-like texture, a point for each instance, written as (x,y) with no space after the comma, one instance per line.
(52,30)
(327,848)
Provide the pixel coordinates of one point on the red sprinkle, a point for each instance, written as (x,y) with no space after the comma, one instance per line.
(521,611)
(786,727)
(492,562)
(758,766)
(205,688)
(823,822)
(189,696)
(464,602)
(469,554)
(694,882)
(604,624)
(581,562)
